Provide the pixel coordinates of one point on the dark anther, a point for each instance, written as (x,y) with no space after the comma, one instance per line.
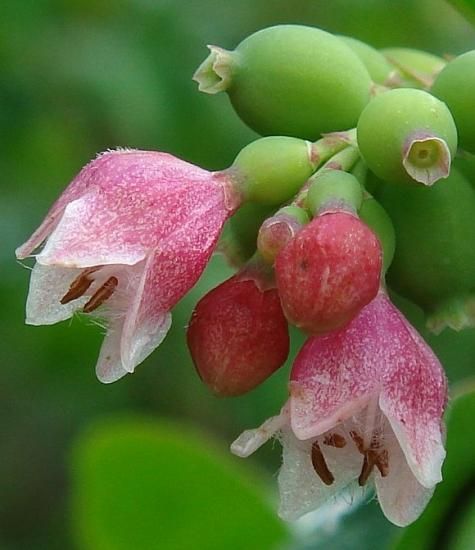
(102,294)
(320,466)
(334,440)
(79,286)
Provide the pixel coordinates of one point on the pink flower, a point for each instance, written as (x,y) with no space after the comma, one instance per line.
(132,232)
(366,405)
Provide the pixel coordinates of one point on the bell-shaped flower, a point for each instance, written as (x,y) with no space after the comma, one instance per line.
(365,407)
(131,233)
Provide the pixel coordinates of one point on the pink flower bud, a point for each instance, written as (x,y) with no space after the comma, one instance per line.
(238,336)
(328,272)
(131,233)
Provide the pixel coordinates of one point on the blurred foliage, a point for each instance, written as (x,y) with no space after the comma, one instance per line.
(142,484)
(82,76)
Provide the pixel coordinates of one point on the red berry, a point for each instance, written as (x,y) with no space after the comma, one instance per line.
(328,272)
(238,336)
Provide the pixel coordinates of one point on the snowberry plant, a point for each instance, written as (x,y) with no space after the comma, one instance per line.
(353,186)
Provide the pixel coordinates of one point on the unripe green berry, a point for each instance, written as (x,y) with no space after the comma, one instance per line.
(377,219)
(334,190)
(416,68)
(271,170)
(376,64)
(434,262)
(456,86)
(290,80)
(407,135)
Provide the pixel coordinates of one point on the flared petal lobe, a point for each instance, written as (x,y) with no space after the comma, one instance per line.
(336,374)
(413,396)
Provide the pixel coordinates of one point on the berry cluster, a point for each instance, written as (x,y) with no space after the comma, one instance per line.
(364,175)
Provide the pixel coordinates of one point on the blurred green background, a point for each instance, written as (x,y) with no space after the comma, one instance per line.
(144,463)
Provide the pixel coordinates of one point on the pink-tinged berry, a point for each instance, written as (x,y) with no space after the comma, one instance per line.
(328,272)
(238,335)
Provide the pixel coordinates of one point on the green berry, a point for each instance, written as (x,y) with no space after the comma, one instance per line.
(456,86)
(376,64)
(377,219)
(407,135)
(416,68)
(334,190)
(434,262)
(290,80)
(271,170)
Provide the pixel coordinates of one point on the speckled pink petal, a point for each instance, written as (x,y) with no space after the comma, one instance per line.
(401,497)
(171,270)
(123,201)
(83,182)
(413,397)
(335,375)
(74,244)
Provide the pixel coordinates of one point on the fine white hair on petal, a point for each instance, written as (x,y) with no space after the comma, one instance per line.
(48,284)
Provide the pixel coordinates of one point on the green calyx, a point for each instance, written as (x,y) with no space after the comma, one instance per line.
(377,219)
(334,190)
(214,75)
(272,170)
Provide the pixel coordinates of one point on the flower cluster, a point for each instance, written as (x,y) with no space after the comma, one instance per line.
(312,228)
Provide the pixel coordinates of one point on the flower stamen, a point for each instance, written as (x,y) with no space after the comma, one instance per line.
(320,466)
(334,440)
(79,286)
(102,294)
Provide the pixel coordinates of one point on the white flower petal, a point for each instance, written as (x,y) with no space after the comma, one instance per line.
(250,440)
(109,367)
(48,284)
(301,489)
(401,497)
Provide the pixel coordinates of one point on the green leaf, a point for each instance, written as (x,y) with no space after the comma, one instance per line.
(450,498)
(141,484)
